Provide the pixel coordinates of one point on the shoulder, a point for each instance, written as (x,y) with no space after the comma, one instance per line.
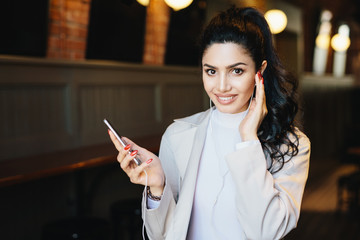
(300,157)
(303,140)
(297,138)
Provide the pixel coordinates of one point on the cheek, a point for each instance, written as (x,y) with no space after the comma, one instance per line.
(245,87)
(249,88)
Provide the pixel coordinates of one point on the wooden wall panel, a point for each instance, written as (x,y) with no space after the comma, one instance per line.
(29,110)
(131,109)
(182,100)
(328,113)
(33,117)
(49,105)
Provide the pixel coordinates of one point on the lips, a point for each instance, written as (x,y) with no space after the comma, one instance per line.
(225,99)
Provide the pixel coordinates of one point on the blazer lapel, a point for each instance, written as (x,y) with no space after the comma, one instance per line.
(184,142)
(185,201)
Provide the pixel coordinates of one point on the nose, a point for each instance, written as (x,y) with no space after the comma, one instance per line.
(223,84)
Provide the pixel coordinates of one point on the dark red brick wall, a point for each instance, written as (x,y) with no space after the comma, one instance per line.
(68,28)
(157,23)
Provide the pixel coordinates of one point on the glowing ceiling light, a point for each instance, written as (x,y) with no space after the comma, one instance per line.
(178,4)
(174,4)
(277,20)
(143,2)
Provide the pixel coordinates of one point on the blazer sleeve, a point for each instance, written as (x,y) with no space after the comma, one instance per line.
(268,205)
(157,221)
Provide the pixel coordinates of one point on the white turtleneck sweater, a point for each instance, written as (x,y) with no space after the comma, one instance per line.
(214,209)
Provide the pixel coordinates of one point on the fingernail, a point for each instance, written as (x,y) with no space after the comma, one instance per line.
(259,74)
(149,161)
(127,147)
(133,153)
(109,131)
(262,80)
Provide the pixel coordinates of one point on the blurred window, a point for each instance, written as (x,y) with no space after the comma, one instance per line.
(23,26)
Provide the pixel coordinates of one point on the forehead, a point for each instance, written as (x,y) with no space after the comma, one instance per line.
(226,54)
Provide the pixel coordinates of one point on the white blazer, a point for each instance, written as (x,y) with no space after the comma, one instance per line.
(268,205)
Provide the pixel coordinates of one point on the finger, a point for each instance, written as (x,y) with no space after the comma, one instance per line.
(115,141)
(128,161)
(262,88)
(142,167)
(258,78)
(134,146)
(257,83)
(262,95)
(123,153)
(259,91)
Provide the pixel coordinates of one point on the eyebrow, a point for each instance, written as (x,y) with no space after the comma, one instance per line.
(230,66)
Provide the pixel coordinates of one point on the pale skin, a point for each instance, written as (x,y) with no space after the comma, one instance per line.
(229,77)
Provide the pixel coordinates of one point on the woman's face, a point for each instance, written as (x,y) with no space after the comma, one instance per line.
(228,76)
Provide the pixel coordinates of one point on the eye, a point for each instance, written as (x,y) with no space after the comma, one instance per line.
(210,71)
(238,71)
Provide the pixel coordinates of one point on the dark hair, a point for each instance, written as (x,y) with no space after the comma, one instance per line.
(248,27)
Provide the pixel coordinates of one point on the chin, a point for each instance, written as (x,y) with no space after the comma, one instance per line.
(228,109)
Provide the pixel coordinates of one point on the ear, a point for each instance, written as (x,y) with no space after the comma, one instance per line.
(263,67)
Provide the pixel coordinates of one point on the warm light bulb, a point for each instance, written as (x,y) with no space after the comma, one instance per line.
(143,2)
(277,20)
(323,41)
(340,42)
(178,4)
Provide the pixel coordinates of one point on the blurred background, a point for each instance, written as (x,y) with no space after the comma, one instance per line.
(65,65)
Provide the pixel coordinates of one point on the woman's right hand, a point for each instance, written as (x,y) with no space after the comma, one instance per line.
(149,163)
(257,111)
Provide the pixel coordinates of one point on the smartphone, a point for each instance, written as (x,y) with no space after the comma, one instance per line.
(137,161)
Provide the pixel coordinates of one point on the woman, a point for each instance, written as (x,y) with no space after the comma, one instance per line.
(237,170)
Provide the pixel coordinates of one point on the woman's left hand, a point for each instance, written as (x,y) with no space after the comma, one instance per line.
(249,126)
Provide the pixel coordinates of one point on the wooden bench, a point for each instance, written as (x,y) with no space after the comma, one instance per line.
(18,170)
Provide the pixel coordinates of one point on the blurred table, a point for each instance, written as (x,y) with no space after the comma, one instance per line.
(18,170)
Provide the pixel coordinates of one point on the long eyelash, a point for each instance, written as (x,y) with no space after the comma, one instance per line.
(238,69)
(208,70)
